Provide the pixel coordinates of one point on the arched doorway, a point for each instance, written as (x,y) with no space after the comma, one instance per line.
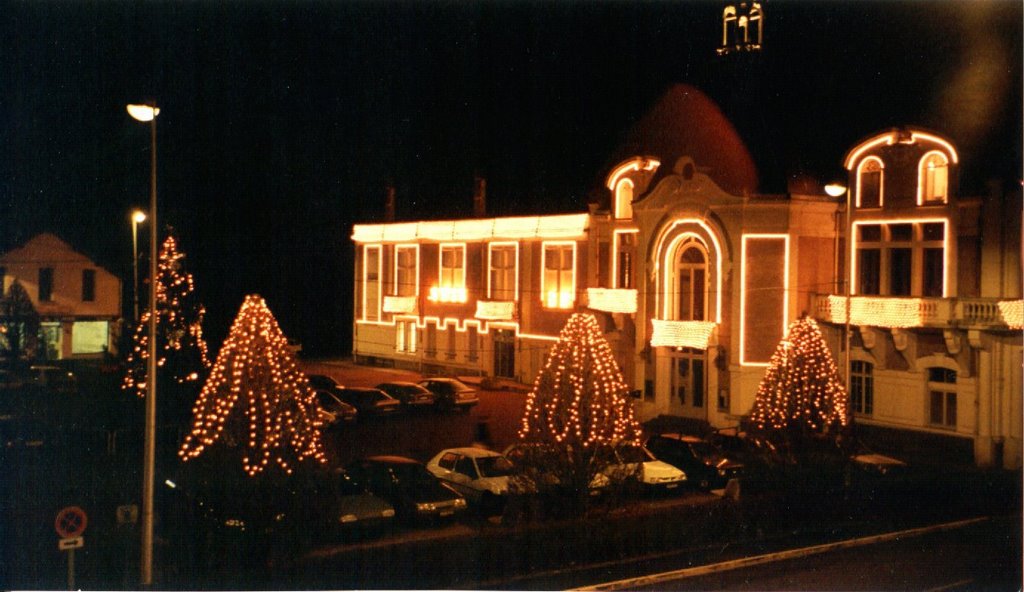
(689,302)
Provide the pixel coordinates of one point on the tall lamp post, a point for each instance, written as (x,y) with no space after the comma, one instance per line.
(138,217)
(837,190)
(148,113)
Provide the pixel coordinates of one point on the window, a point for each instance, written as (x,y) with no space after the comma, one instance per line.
(942,397)
(558,287)
(431,347)
(88,285)
(933,179)
(371,283)
(691,281)
(471,340)
(406,270)
(45,284)
(625,249)
(450,330)
(503,271)
(901,259)
(405,337)
(452,279)
(869,183)
(624,199)
(862,387)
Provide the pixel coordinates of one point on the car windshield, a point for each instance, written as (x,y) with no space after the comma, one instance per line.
(410,474)
(703,450)
(493,466)
(633,454)
(347,486)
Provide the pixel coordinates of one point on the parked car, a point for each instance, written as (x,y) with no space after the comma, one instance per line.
(52,378)
(409,393)
(369,401)
(407,485)
(333,504)
(333,411)
(705,465)
(482,476)
(630,461)
(451,393)
(322,382)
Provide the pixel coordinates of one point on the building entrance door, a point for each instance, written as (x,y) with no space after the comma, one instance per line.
(689,382)
(504,353)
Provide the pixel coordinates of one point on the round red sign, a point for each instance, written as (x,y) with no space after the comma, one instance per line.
(71,522)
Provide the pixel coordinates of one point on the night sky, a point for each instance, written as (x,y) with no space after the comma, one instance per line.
(281,122)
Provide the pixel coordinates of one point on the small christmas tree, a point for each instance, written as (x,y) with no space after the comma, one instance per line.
(801,392)
(19,323)
(578,409)
(180,343)
(255,369)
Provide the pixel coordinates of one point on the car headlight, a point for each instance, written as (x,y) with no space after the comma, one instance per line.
(425,507)
(389,513)
(460,503)
(235,523)
(346,518)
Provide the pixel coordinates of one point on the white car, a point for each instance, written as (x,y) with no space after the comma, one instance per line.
(481,476)
(637,461)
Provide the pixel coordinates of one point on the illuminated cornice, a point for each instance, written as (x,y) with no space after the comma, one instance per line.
(694,334)
(890,138)
(612,300)
(567,226)
(635,164)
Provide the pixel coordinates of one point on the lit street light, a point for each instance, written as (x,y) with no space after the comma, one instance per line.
(138,217)
(148,113)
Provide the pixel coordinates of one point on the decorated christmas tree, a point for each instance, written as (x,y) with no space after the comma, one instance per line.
(19,323)
(256,399)
(183,358)
(577,411)
(801,392)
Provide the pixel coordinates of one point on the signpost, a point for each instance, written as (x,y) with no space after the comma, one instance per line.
(70,524)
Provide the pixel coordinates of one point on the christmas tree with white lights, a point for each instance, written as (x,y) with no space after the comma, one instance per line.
(801,392)
(578,409)
(256,399)
(181,348)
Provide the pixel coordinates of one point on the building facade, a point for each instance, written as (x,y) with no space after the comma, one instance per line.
(695,280)
(78,302)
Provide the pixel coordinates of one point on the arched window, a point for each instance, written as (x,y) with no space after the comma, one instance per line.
(691,281)
(756,24)
(728,21)
(870,176)
(933,178)
(624,199)
(862,387)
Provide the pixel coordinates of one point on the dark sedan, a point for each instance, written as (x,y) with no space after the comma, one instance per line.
(408,486)
(369,401)
(322,382)
(409,393)
(334,411)
(704,465)
(451,393)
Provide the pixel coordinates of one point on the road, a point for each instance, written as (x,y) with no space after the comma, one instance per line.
(980,555)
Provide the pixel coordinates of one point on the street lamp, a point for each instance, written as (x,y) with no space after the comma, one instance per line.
(838,190)
(138,217)
(148,113)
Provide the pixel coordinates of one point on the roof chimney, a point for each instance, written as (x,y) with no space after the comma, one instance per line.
(479,197)
(389,203)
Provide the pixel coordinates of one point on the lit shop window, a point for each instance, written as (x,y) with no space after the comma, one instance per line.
(942,397)
(933,179)
(558,284)
(405,336)
(371,283)
(452,278)
(870,175)
(503,271)
(406,270)
(624,199)
(862,387)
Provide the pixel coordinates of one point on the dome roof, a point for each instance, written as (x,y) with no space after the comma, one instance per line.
(686,122)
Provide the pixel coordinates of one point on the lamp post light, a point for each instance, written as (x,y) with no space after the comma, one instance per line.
(148,113)
(837,190)
(138,217)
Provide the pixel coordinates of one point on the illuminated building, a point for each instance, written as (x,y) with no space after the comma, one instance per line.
(695,276)
(78,302)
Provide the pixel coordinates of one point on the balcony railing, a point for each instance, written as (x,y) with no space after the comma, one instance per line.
(612,300)
(694,334)
(904,312)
